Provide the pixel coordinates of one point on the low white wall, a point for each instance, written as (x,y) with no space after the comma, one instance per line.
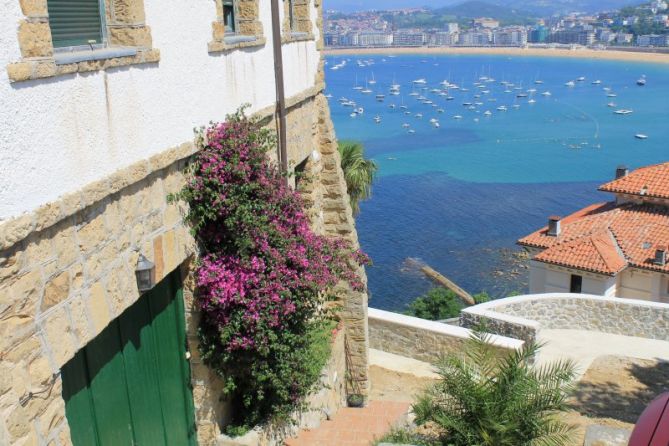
(421,339)
(522,317)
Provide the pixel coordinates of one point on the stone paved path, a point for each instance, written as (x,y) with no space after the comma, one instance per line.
(354,427)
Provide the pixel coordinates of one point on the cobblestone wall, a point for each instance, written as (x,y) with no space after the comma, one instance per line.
(523,316)
(419,338)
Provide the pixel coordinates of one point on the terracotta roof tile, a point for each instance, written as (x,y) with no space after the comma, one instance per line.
(650,181)
(595,252)
(605,238)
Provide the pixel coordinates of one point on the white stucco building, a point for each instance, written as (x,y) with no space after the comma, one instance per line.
(98,103)
(615,249)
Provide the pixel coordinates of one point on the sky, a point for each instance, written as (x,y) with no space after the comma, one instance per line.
(357,5)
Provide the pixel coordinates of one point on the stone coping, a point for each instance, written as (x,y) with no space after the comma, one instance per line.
(438,328)
(218,46)
(494,304)
(15,229)
(607,320)
(40,68)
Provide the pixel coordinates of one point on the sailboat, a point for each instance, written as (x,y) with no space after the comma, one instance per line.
(356,86)
(366,89)
(373,81)
(641,81)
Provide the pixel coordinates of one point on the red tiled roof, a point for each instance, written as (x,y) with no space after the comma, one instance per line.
(595,252)
(605,238)
(650,181)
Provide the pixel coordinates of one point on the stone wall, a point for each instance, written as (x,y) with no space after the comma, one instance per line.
(421,339)
(523,316)
(67,270)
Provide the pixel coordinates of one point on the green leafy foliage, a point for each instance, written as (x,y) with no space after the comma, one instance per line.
(484,399)
(359,172)
(440,303)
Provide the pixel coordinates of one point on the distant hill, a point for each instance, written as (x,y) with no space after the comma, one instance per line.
(475,8)
(462,13)
(537,7)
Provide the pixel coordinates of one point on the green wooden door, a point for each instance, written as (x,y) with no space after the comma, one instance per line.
(131,384)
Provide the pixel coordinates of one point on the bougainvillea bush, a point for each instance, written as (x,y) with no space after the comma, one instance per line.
(263,274)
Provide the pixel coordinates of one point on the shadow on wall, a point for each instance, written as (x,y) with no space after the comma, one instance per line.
(637,383)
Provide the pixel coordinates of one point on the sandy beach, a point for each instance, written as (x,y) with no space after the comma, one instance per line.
(546,52)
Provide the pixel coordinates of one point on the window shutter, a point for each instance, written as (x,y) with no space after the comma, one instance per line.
(74,22)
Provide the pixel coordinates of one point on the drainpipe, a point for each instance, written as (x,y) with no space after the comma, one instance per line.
(280,92)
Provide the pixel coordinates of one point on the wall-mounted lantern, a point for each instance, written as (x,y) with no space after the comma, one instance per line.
(145,272)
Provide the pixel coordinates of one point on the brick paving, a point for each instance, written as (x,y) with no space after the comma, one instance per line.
(354,426)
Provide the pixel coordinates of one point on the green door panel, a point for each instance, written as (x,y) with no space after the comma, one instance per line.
(106,370)
(140,360)
(169,356)
(78,404)
(131,384)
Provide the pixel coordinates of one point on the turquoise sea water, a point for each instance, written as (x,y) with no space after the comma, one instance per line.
(459,195)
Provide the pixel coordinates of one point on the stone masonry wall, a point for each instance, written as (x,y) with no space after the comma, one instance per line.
(421,339)
(70,275)
(523,316)
(67,270)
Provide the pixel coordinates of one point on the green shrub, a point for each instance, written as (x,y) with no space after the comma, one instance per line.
(484,399)
(440,303)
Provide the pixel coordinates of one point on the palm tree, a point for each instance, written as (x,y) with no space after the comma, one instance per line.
(359,172)
(484,399)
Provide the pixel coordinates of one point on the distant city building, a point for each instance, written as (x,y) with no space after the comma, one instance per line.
(475,38)
(653,40)
(403,38)
(538,35)
(443,38)
(375,39)
(485,22)
(570,37)
(624,38)
(606,35)
(452,27)
(510,37)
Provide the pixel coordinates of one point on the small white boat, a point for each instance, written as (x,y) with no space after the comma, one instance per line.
(546,93)
(412,131)
(353,115)
(436,125)
(421,81)
(516,106)
(641,81)
(366,91)
(440,110)
(392,106)
(532,90)
(502,108)
(373,81)
(611,95)
(611,104)
(538,82)
(419,116)
(403,107)
(623,111)
(406,126)
(377,119)
(531,101)
(487,113)
(433,120)
(521,95)
(407,112)
(641,136)
(328,96)
(570,84)
(581,79)
(457,117)
(597,82)
(413,93)
(380,97)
